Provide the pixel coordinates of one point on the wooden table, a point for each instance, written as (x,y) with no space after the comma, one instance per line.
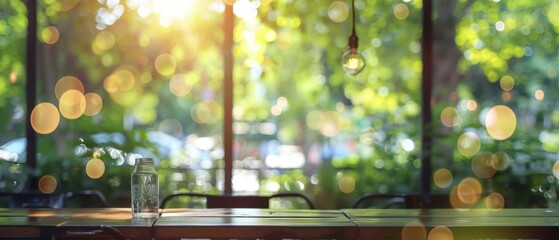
(254,223)
(97,222)
(456,224)
(449,224)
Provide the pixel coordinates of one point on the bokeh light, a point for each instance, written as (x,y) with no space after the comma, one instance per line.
(500,122)
(165,64)
(44,118)
(442,178)
(95,168)
(123,86)
(179,85)
(506,96)
(401,11)
(440,233)
(455,201)
(507,83)
(338,11)
(120,80)
(103,41)
(539,95)
(414,230)
(94,104)
(347,184)
(172,127)
(471,105)
(50,35)
(500,161)
(72,104)
(205,112)
(330,123)
(47,184)
(468,144)
(67,83)
(469,190)
(495,201)
(13,77)
(482,165)
(556,169)
(449,117)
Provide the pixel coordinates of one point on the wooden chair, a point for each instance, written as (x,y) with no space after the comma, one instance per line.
(237,201)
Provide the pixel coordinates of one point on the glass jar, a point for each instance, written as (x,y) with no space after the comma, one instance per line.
(144,189)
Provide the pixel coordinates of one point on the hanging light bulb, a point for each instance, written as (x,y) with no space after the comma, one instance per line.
(352,61)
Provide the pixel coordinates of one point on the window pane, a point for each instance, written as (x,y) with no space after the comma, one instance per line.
(13,172)
(301,124)
(129,79)
(494,80)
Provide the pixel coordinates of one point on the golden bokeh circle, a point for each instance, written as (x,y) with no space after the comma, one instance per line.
(495,201)
(95,168)
(401,11)
(330,123)
(449,117)
(47,184)
(179,85)
(94,104)
(413,230)
(442,178)
(482,165)
(500,161)
(67,83)
(440,233)
(104,40)
(50,35)
(506,83)
(556,169)
(44,118)
(500,122)
(347,184)
(338,11)
(165,64)
(469,190)
(72,104)
(468,144)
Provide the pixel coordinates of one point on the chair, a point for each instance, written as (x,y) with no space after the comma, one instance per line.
(33,200)
(410,201)
(86,232)
(84,198)
(237,201)
(377,200)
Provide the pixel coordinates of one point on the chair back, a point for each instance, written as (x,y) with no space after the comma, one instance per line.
(33,200)
(411,201)
(85,198)
(379,200)
(236,201)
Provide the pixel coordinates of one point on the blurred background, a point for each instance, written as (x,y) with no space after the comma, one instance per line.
(118,79)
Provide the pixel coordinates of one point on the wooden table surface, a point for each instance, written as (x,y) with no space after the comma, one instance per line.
(254,223)
(456,224)
(440,224)
(42,223)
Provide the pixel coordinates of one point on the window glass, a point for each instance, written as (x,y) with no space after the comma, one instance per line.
(303,125)
(494,79)
(13,171)
(122,79)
